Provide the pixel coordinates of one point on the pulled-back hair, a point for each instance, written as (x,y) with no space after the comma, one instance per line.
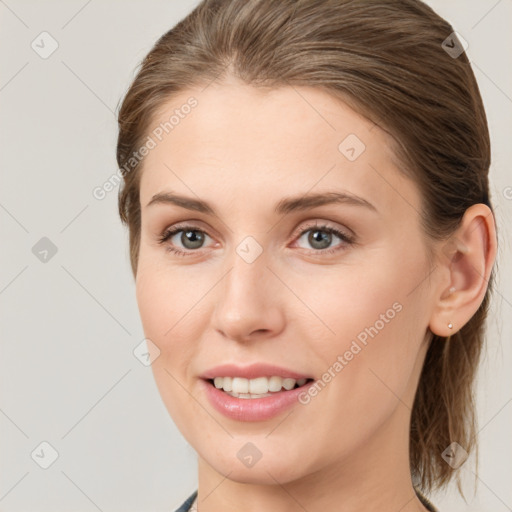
(393,61)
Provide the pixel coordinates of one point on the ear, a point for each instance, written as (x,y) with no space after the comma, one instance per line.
(466,261)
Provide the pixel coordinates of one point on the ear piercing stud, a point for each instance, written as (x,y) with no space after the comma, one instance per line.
(450,326)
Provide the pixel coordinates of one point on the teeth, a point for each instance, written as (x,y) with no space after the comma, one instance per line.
(289,383)
(247,395)
(260,386)
(275,384)
(227,384)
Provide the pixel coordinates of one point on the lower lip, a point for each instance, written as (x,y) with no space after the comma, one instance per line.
(252,409)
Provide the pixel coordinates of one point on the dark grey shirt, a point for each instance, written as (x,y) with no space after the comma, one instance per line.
(187,503)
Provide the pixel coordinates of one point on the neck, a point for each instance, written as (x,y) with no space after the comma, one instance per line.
(376,476)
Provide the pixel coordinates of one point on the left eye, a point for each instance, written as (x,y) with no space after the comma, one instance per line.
(320,237)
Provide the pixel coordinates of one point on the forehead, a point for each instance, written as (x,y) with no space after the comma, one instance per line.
(247,141)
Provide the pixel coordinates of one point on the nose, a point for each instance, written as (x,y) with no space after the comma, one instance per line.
(249,304)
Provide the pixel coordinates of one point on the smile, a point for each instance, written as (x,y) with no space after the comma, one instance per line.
(240,387)
(256,406)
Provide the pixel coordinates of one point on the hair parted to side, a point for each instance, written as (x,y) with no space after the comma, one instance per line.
(384,58)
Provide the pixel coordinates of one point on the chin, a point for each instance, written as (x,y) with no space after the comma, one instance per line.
(267,470)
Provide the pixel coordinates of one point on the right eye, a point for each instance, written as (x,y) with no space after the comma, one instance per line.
(191,238)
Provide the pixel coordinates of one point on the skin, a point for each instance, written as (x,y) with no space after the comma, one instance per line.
(243,150)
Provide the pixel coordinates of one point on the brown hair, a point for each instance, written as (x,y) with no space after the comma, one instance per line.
(387,60)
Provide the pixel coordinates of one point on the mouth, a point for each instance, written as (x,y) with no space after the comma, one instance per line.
(259,387)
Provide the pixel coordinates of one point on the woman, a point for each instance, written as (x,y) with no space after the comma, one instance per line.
(311,234)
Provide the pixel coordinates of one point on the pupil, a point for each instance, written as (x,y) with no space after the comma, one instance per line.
(192,239)
(324,239)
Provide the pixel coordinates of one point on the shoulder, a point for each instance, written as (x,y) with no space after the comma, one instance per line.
(187,503)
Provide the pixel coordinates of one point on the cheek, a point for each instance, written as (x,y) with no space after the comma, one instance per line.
(169,319)
(153,303)
(347,302)
(174,310)
(163,302)
(368,316)
(367,363)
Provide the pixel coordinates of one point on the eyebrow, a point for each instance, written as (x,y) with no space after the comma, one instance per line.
(284,206)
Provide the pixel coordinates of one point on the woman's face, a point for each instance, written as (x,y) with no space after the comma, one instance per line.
(274,272)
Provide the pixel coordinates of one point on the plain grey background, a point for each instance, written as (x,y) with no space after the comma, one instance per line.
(69,318)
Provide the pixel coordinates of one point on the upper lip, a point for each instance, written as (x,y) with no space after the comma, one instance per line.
(252,371)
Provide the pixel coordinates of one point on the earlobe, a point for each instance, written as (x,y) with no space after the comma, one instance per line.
(436,325)
(466,261)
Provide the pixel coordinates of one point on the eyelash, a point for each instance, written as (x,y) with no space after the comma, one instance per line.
(347,239)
